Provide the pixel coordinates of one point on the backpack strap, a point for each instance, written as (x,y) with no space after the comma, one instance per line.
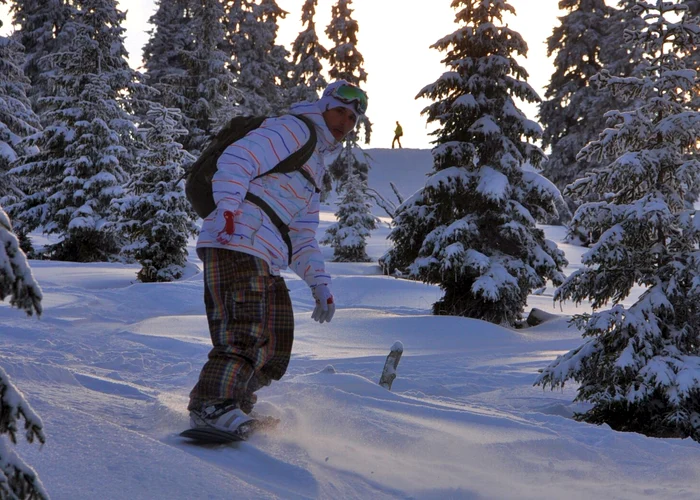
(281,226)
(293,163)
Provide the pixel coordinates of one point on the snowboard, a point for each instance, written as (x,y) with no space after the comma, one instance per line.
(210,435)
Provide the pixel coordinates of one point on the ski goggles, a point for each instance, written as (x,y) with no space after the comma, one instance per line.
(350,94)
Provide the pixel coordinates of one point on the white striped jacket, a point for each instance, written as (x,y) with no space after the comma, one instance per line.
(291,195)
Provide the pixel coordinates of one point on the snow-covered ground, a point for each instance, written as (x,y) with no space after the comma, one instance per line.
(109,365)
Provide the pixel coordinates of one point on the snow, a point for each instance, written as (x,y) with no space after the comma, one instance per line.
(467,100)
(109,366)
(7,153)
(493,185)
(485,125)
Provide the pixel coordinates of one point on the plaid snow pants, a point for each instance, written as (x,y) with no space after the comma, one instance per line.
(251,323)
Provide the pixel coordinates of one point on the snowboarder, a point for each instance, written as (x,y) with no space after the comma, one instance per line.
(398,132)
(243,249)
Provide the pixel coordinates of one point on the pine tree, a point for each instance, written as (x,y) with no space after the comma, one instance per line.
(619,57)
(87,149)
(472,230)
(39,22)
(260,64)
(346,61)
(348,236)
(19,480)
(186,60)
(639,366)
(210,86)
(163,55)
(17,120)
(344,58)
(307,59)
(572,113)
(155,213)
(347,162)
(16,280)
(692,61)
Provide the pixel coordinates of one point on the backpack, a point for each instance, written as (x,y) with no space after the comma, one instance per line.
(198,188)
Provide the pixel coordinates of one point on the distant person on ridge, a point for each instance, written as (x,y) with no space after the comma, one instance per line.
(398,132)
(261,225)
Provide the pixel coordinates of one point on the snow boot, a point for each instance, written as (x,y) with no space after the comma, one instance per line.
(222,415)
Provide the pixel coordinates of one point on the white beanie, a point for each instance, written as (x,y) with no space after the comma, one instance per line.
(327,101)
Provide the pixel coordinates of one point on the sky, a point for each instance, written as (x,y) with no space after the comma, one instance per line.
(109,365)
(394,38)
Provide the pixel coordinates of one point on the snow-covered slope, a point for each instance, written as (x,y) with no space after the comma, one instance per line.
(110,364)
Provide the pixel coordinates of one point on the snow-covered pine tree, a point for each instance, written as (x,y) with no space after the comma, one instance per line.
(344,58)
(351,175)
(165,65)
(209,88)
(572,114)
(639,366)
(692,58)
(471,229)
(619,57)
(346,61)
(87,147)
(18,480)
(17,120)
(347,162)
(692,61)
(16,280)
(355,221)
(38,23)
(237,14)
(260,64)
(306,80)
(155,213)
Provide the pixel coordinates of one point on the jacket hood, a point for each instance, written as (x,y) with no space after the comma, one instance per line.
(326,143)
